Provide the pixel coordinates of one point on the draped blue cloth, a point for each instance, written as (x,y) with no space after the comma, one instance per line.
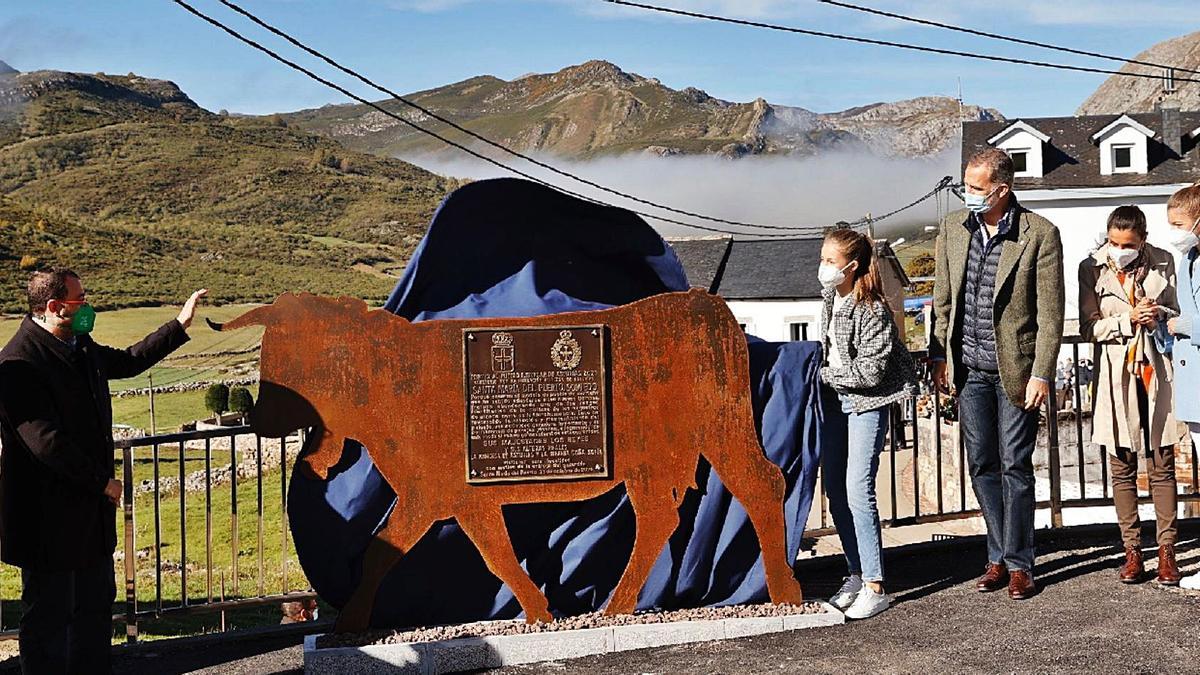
(504,248)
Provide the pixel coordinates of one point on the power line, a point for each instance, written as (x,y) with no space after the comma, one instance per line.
(791,231)
(883,43)
(1005,38)
(499,146)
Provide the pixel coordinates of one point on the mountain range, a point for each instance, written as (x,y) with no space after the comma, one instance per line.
(598,109)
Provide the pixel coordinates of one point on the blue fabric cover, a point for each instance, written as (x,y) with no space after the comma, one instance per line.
(507,247)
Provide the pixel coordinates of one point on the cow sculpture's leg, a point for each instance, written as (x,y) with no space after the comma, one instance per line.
(759,487)
(398,535)
(656,517)
(484,524)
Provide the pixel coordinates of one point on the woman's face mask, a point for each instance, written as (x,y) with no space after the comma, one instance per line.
(1122,257)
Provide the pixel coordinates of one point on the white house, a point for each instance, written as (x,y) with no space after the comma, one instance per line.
(1076,170)
(771,285)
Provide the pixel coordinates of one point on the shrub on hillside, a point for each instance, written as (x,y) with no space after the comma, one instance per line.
(240,400)
(216,398)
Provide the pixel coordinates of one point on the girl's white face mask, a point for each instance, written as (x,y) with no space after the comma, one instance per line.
(1184,240)
(830,276)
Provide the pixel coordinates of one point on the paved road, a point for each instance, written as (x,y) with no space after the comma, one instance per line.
(1082,621)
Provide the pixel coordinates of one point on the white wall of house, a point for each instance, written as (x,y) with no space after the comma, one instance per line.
(1081,216)
(772,320)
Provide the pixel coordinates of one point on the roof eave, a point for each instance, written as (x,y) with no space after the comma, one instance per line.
(1019,125)
(1123,120)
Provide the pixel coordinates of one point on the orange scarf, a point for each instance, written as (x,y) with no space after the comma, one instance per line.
(1135,359)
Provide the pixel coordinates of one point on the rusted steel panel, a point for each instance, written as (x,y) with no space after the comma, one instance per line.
(680,388)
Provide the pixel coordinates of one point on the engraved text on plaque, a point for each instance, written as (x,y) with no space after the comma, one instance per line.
(537,403)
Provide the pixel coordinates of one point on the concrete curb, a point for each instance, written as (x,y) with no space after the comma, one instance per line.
(477,653)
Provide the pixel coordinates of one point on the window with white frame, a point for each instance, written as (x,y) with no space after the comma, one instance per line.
(1122,157)
(799,330)
(1020,160)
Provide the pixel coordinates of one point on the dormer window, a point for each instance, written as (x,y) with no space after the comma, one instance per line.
(1024,144)
(1123,146)
(1020,160)
(1122,158)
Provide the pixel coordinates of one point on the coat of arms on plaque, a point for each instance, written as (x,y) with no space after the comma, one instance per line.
(566,352)
(502,353)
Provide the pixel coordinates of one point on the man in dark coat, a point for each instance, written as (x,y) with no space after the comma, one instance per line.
(58,497)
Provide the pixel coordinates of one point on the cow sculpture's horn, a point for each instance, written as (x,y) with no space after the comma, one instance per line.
(214,325)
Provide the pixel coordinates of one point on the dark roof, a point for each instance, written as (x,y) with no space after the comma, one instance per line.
(703,258)
(772,269)
(1071,159)
(763,269)
(775,268)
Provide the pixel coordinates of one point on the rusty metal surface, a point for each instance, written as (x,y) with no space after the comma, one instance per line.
(679,386)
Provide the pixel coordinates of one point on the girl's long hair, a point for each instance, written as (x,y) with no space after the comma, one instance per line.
(855,246)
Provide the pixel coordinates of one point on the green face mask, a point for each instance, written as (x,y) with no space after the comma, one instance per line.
(83,320)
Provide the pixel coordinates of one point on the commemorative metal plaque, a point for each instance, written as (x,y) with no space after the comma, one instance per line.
(537,402)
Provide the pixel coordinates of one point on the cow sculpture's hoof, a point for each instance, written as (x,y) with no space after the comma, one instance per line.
(542,616)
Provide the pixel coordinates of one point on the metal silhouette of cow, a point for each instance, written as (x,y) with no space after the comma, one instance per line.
(680,388)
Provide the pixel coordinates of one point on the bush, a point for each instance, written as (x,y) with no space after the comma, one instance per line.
(216,398)
(240,400)
(28,262)
(923,265)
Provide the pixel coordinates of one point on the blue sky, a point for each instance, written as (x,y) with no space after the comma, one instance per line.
(417,44)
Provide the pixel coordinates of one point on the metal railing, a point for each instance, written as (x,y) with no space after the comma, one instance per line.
(182,448)
(910,498)
(1081,467)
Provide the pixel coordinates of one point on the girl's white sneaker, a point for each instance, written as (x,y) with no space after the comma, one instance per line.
(868,604)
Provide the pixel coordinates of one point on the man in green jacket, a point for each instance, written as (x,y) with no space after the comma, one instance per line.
(998,323)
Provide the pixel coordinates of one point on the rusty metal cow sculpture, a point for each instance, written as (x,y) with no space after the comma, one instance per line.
(679,389)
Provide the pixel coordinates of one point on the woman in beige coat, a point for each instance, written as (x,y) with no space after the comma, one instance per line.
(1126,295)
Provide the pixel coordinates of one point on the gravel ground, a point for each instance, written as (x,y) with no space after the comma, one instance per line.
(1082,621)
(589,620)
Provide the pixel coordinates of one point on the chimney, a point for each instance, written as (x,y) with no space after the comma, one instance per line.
(1172,126)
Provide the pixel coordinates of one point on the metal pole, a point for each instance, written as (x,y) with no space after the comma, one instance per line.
(183,524)
(131,626)
(153,426)
(234,539)
(1056,516)
(208,517)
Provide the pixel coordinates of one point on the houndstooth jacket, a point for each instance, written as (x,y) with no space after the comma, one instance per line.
(876,367)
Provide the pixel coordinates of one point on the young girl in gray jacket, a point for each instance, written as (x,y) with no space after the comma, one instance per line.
(867,369)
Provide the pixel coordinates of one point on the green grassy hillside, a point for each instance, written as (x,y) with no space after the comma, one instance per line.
(148,195)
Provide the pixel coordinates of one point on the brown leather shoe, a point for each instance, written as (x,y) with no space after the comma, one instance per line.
(1020,585)
(993,579)
(1134,568)
(1168,570)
